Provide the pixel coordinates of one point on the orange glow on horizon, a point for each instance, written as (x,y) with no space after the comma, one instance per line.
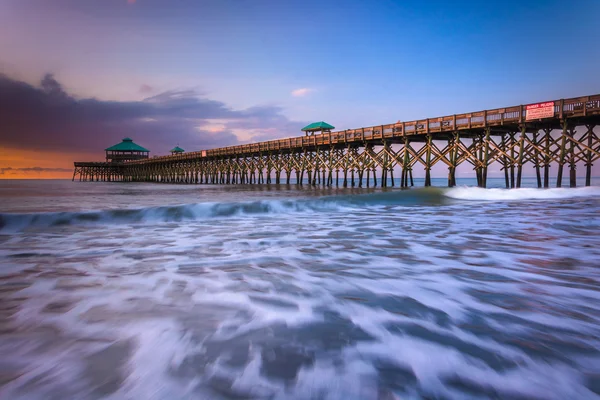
(32,164)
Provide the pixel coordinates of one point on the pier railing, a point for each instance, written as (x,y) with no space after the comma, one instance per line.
(564,108)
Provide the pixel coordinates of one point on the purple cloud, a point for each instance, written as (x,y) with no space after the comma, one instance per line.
(48,118)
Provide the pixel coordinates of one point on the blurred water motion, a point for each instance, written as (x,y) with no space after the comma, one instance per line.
(285,294)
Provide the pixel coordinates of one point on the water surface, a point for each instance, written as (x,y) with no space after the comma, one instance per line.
(152,291)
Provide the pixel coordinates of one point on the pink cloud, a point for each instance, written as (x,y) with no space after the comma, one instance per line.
(146,88)
(301,92)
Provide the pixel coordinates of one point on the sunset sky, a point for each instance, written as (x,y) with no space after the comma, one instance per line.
(76,76)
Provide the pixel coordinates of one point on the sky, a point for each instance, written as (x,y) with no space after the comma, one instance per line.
(76,76)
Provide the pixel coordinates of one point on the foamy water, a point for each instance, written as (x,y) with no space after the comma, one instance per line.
(223,293)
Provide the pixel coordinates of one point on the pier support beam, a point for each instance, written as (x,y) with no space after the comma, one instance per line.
(588,158)
(428,162)
(486,153)
(561,160)
(453,144)
(521,152)
(572,163)
(537,155)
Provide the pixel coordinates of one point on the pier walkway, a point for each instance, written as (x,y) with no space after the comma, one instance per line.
(558,132)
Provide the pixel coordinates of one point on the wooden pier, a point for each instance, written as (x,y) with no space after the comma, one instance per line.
(556,133)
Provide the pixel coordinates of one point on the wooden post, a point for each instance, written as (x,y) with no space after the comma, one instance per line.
(428,162)
(405,166)
(346,155)
(478,150)
(269,167)
(512,163)
(485,156)
(403,179)
(453,158)
(547,157)
(504,160)
(374,175)
(450,158)
(521,114)
(521,152)
(572,163)
(537,161)
(317,176)
(384,166)
(588,164)
(561,160)
(561,109)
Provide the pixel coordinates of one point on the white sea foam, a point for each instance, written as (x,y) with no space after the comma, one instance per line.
(475,193)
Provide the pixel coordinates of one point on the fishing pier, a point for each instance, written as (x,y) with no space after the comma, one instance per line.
(556,133)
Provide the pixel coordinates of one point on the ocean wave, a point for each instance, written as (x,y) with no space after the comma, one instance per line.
(475,193)
(10,222)
(13,222)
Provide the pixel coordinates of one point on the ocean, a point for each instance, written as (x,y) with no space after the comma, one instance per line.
(156,291)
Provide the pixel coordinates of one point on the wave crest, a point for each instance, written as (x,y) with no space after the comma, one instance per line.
(199,211)
(189,212)
(475,193)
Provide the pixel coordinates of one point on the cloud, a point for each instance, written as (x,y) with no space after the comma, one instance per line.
(47,118)
(146,88)
(3,171)
(301,92)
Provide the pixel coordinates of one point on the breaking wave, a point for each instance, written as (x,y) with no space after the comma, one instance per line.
(474,193)
(11,222)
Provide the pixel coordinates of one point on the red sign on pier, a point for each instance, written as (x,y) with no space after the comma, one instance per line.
(539,111)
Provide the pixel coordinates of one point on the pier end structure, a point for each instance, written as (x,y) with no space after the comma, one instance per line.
(125,151)
(112,169)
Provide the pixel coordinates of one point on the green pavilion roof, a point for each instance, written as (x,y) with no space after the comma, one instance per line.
(177,149)
(318,126)
(127,145)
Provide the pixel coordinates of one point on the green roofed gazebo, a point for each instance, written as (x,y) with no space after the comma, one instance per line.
(318,127)
(127,150)
(177,150)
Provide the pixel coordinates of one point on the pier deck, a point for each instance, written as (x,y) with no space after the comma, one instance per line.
(559,132)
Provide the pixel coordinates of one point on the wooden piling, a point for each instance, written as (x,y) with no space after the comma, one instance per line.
(561,161)
(572,165)
(588,156)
